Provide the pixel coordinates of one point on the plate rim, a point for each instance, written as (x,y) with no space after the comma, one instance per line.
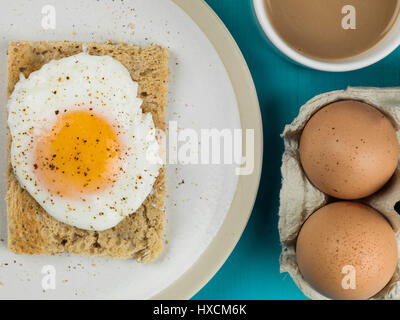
(220,248)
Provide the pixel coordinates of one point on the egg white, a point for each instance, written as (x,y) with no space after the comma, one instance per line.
(101,83)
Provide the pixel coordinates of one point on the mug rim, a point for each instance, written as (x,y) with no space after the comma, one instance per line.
(365,59)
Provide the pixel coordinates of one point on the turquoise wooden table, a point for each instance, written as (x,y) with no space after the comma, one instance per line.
(252,270)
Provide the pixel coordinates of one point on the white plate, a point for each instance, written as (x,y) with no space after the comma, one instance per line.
(202,94)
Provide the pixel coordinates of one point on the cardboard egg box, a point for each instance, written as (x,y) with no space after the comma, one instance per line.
(299,198)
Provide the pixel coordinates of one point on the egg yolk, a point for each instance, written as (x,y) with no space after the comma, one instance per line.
(79,155)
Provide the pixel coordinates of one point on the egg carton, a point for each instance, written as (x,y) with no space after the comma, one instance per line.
(299,198)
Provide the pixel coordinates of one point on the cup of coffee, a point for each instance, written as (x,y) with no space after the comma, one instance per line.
(331,35)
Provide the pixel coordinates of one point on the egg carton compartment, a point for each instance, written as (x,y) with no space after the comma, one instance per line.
(299,198)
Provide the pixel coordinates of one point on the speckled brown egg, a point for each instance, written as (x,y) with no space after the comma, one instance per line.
(349,149)
(347,250)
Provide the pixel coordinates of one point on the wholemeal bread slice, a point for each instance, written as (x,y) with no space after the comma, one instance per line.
(31,230)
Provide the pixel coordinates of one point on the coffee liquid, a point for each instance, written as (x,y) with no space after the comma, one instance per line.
(332,29)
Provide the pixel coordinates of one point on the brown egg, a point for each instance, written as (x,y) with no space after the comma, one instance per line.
(347,250)
(349,149)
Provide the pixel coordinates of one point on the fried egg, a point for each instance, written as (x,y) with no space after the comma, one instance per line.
(81,145)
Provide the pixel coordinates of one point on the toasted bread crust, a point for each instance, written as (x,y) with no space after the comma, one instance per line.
(31,230)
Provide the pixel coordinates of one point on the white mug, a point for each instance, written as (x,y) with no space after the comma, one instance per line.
(382,49)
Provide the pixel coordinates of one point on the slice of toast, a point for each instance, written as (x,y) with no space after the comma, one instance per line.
(31,230)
